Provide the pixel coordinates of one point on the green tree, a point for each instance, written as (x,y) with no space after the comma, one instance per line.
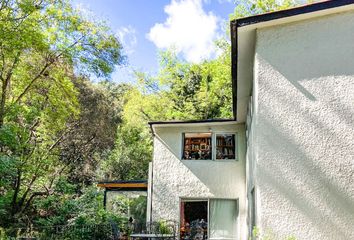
(93,132)
(131,155)
(43,44)
(246,8)
(42,41)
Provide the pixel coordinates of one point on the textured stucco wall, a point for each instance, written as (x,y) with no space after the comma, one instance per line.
(303,139)
(174,179)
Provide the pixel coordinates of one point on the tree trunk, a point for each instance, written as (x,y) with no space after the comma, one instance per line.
(4,88)
(14,207)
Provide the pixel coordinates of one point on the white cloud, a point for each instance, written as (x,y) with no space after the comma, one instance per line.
(127,36)
(188,28)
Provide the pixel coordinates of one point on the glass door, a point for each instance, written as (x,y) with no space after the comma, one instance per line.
(223,219)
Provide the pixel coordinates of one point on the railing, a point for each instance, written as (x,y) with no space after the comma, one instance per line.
(110,231)
(76,232)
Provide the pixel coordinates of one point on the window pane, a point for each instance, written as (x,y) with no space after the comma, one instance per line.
(223,219)
(225,146)
(197,146)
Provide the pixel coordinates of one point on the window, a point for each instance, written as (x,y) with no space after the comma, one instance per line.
(200,146)
(197,146)
(225,146)
(216,218)
(223,219)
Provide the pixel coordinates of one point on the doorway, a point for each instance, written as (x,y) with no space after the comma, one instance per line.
(194,219)
(209,219)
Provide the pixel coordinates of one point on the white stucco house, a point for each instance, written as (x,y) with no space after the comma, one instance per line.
(285,163)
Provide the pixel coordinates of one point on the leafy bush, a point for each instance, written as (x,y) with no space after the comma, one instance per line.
(69,215)
(267,235)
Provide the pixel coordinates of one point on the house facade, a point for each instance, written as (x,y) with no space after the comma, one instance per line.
(285,164)
(196,177)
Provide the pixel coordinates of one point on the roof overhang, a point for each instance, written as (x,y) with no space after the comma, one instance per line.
(243,38)
(191,123)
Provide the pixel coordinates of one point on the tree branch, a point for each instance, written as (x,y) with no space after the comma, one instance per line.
(6,83)
(22,200)
(17,189)
(32,82)
(48,64)
(35,194)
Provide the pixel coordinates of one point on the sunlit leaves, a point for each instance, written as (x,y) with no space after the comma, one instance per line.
(43,44)
(246,8)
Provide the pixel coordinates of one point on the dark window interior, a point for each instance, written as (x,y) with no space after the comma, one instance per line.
(225,146)
(197,146)
(194,217)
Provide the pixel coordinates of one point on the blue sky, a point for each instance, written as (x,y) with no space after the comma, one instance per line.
(144,27)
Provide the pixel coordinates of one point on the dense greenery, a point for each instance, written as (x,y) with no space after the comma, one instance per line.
(47,135)
(60,132)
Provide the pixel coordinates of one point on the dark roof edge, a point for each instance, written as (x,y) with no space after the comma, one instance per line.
(309,8)
(191,121)
(234,47)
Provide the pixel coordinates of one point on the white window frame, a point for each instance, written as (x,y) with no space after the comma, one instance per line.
(213,146)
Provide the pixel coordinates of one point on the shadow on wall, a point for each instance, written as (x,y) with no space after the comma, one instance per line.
(307,127)
(202,170)
(296,174)
(177,162)
(294,50)
(163,194)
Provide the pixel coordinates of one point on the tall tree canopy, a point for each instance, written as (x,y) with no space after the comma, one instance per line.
(43,45)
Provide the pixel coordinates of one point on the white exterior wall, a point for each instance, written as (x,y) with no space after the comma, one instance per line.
(303,128)
(174,178)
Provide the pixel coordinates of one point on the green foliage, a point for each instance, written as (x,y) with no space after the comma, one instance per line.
(77,216)
(136,205)
(92,133)
(131,155)
(138,208)
(189,91)
(246,8)
(267,235)
(163,228)
(43,109)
